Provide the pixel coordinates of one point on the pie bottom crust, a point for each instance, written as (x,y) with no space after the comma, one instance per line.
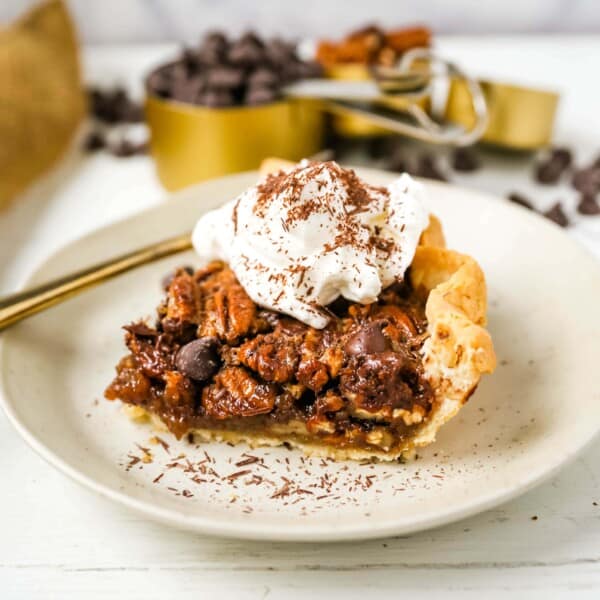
(457,352)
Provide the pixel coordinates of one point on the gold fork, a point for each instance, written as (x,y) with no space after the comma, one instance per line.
(17,307)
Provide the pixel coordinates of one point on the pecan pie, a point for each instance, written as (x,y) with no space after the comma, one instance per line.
(377,381)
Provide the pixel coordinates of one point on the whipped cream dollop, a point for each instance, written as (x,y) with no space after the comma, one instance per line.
(300,239)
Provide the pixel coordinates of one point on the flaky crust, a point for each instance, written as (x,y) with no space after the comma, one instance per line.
(459,349)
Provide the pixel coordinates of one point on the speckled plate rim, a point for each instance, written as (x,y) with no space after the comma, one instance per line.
(257,531)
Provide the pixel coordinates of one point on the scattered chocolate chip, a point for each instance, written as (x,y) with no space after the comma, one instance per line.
(199,359)
(398,162)
(465,159)
(520,200)
(126,148)
(587,181)
(427,167)
(548,171)
(94,141)
(551,169)
(563,155)
(367,340)
(114,106)
(260,95)
(376,147)
(588,205)
(557,214)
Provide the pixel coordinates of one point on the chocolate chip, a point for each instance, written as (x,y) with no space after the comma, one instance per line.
(114,106)
(557,214)
(220,73)
(587,181)
(309,69)
(378,147)
(520,200)
(188,90)
(427,167)
(199,359)
(213,49)
(94,141)
(250,37)
(125,148)
(465,159)
(245,53)
(263,77)
(224,78)
(260,95)
(563,155)
(216,99)
(398,162)
(369,339)
(216,38)
(588,205)
(159,83)
(549,171)
(278,52)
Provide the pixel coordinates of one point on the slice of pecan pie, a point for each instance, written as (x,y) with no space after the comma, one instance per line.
(377,381)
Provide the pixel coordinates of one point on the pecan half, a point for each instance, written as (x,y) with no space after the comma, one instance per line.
(235,393)
(229,312)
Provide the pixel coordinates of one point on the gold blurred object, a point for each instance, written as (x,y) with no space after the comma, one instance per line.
(192,143)
(519,118)
(19,306)
(41,96)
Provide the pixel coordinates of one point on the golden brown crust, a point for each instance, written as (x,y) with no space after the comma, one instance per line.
(459,350)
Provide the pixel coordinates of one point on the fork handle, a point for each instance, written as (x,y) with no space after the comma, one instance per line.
(17,307)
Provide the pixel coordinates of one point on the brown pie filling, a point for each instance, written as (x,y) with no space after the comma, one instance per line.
(216,361)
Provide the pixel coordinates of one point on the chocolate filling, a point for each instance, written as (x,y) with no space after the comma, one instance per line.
(215,360)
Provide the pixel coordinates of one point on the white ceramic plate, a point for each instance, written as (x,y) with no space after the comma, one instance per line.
(538,410)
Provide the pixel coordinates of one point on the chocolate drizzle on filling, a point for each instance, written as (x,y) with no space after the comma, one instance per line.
(214,360)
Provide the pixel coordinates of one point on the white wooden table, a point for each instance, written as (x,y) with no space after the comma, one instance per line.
(59,541)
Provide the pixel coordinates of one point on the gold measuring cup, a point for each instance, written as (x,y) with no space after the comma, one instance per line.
(423,97)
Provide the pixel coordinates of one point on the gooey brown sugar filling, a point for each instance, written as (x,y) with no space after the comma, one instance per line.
(215,360)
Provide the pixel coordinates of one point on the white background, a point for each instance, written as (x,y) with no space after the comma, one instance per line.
(103,21)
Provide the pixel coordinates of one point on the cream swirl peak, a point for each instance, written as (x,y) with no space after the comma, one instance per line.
(300,239)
